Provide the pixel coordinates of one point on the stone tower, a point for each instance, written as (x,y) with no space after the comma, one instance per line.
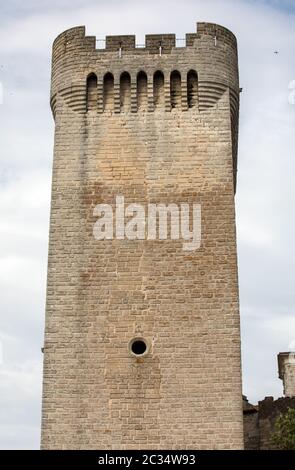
(142,338)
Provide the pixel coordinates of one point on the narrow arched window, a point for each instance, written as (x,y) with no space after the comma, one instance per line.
(142,99)
(192,89)
(125,91)
(108,91)
(175,89)
(91,94)
(159,94)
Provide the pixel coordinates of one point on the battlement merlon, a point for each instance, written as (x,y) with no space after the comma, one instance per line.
(75,37)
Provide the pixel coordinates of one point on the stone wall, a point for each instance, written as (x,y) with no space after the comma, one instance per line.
(251,425)
(286,363)
(259,421)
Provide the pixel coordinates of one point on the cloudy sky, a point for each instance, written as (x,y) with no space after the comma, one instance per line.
(265,196)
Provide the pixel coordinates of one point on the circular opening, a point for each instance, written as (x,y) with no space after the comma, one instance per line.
(138,347)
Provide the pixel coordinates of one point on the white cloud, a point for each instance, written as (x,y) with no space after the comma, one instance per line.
(20,391)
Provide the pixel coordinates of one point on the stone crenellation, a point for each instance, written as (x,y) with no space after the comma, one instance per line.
(211,52)
(260,419)
(286,366)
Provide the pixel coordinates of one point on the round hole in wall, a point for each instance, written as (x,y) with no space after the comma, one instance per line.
(138,347)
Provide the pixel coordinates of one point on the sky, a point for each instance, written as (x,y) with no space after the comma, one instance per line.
(265,192)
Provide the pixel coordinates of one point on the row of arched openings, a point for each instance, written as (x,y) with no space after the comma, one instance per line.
(142,90)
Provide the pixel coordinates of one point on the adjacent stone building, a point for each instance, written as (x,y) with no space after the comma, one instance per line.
(259,420)
(286,362)
(142,337)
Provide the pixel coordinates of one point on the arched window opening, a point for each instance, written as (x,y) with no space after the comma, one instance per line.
(91,94)
(125,91)
(142,99)
(192,89)
(175,89)
(108,92)
(159,93)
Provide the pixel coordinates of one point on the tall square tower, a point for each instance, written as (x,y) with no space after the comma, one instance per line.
(142,335)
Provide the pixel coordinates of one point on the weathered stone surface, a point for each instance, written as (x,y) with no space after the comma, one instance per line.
(286,363)
(259,421)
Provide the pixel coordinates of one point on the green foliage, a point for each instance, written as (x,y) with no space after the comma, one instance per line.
(284,433)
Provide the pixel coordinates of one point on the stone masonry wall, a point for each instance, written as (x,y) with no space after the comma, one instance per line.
(259,421)
(269,411)
(286,363)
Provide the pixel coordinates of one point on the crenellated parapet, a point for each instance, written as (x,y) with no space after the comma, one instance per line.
(158,76)
(211,52)
(75,37)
